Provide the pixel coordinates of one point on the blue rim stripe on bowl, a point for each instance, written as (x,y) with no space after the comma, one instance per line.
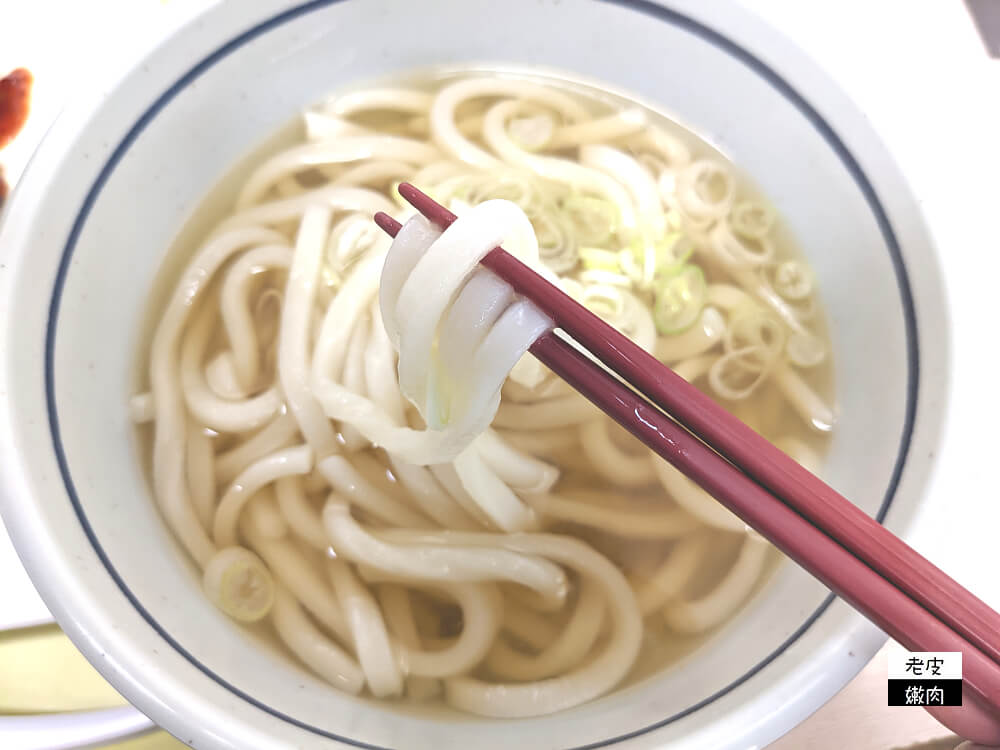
(647,8)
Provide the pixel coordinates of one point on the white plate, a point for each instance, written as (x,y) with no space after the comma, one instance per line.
(22,607)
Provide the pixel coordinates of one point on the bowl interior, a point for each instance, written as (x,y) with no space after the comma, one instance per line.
(172,132)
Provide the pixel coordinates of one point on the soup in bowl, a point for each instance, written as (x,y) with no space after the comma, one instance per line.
(248,549)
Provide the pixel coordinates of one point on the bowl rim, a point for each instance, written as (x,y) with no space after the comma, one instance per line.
(697,22)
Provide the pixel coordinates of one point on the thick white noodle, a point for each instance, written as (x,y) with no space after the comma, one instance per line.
(563,411)
(529,626)
(806,402)
(169,475)
(516,469)
(353,378)
(201,473)
(695,367)
(458,407)
(321,126)
(448,478)
(394,600)
(221,377)
(293,337)
(600,129)
(632,175)
(221,414)
(345,149)
(303,579)
(481,605)
(263,515)
(429,288)
(314,649)
(572,173)
(442,113)
(237,317)
(290,461)
(497,501)
(351,485)
(693,498)
(587,509)
(371,639)
(391,99)
(669,579)
(588,680)
(668,151)
(570,647)
(336,197)
(610,461)
(281,432)
(699,615)
(439,562)
(302,517)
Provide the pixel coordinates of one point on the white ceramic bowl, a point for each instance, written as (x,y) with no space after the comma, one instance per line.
(116,179)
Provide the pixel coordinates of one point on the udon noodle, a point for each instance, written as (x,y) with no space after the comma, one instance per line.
(351,443)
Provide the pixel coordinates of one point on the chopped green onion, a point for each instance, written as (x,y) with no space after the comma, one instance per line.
(755,331)
(599,259)
(604,301)
(792,280)
(609,278)
(678,300)
(555,241)
(670,252)
(673,251)
(239,583)
(627,262)
(531,133)
(645,262)
(752,219)
(805,349)
(595,219)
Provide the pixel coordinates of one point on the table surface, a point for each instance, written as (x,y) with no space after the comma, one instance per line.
(928,56)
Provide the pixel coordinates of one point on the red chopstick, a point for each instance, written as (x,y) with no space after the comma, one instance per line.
(821,550)
(795,485)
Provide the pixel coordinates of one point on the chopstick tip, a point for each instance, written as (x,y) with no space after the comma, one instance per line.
(408,192)
(387,224)
(426,205)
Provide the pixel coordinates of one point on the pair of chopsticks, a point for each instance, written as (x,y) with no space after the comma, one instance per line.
(878,574)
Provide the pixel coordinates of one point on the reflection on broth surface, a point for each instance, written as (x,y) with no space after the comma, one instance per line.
(554,558)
